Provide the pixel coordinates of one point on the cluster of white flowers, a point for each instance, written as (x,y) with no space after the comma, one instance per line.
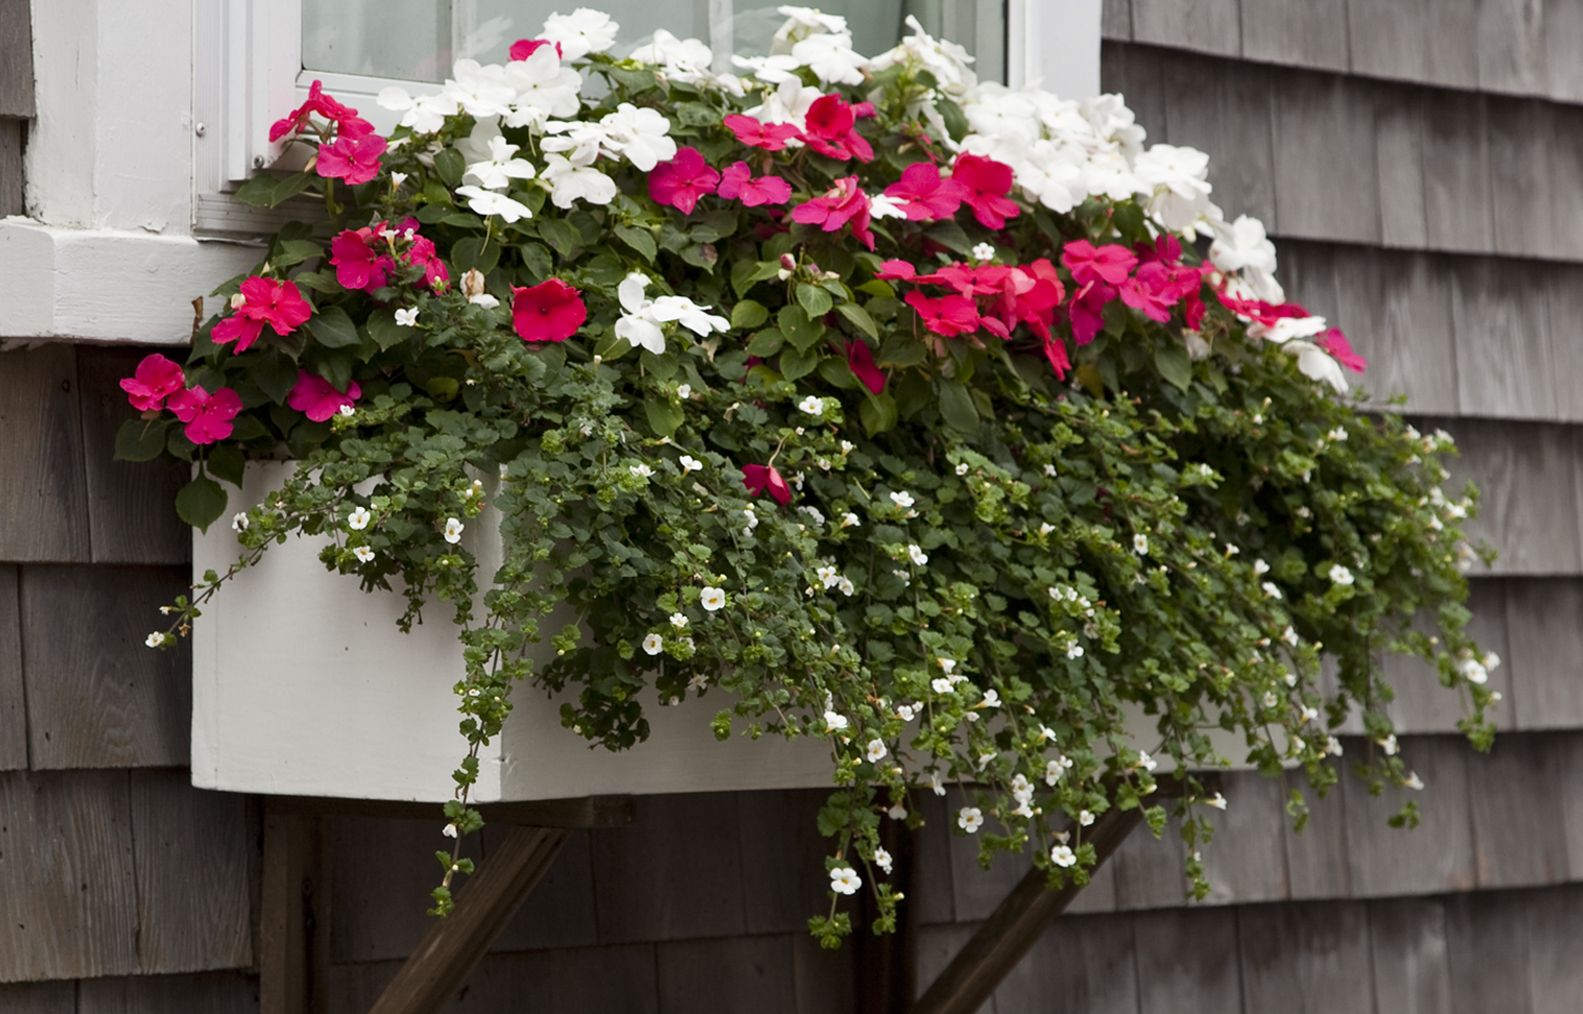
(643,322)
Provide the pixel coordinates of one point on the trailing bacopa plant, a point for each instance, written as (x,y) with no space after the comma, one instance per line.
(943,422)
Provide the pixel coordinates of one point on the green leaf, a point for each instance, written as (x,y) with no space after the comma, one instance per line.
(1174,365)
(664,417)
(795,363)
(200,502)
(640,240)
(258,191)
(901,348)
(295,251)
(288,187)
(765,343)
(275,375)
(878,413)
(561,235)
(141,439)
(449,165)
(225,461)
(859,318)
(387,334)
(956,405)
(802,332)
(748,314)
(334,329)
(536,258)
(470,252)
(816,302)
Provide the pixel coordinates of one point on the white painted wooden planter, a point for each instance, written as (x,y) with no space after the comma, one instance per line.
(302,685)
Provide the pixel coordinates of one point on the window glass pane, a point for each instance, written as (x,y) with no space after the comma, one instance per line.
(419,39)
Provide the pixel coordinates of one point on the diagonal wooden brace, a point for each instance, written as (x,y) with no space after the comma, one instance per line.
(454,945)
(1002,941)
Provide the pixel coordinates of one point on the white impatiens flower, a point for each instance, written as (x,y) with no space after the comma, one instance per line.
(690,464)
(488,202)
(712,599)
(882,205)
(579,33)
(802,23)
(1340,575)
(157,639)
(813,405)
(1140,544)
(831,58)
(424,114)
(970,819)
(1243,247)
(875,751)
(363,554)
(641,136)
(570,182)
(834,721)
(407,317)
(541,88)
(1063,856)
(844,880)
(917,555)
(359,518)
(684,60)
(1175,184)
(497,171)
(453,530)
(883,860)
(239,522)
(642,323)
(653,644)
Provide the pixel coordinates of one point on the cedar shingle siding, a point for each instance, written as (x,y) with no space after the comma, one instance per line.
(1421,162)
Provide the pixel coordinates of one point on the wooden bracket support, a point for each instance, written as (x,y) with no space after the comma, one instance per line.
(1002,941)
(294,902)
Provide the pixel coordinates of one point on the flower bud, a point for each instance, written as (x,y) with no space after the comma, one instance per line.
(473,283)
(238,301)
(788,262)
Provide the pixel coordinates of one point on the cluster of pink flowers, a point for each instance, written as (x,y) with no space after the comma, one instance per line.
(262,301)
(349,149)
(364,258)
(158,384)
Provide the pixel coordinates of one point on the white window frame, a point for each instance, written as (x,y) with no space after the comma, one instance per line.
(249,72)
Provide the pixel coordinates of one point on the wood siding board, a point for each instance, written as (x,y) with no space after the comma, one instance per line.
(1246,859)
(1565,145)
(1408,340)
(826,981)
(1521,187)
(1317,858)
(935,947)
(1100,894)
(1562,37)
(1412,970)
(105,700)
(1308,274)
(67,886)
(1555,927)
(648,883)
(16,59)
(1458,206)
(1305,958)
(1296,33)
(1088,961)
(39,998)
(1512,53)
(1435,857)
(1225,110)
(13,139)
(1187,958)
(1209,26)
(1325,161)
(1501,318)
(13,702)
(1423,704)
(781,843)
(381,873)
(1513,787)
(694,975)
(218,993)
(1544,654)
(1386,38)
(1487,943)
(583,980)
(1565,284)
(1528,502)
(1149,870)
(192,857)
(560,910)
(43,484)
(1399,154)
(1116,20)
(131,512)
(933,898)
(1136,72)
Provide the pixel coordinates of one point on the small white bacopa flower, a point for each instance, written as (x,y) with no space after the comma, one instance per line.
(712,598)
(1063,856)
(359,519)
(876,751)
(1140,544)
(902,499)
(970,819)
(1218,801)
(156,639)
(1340,575)
(679,621)
(654,644)
(453,530)
(363,554)
(239,522)
(917,556)
(813,405)
(834,721)
(407,317)
(883,860)
(844,880)
(641,470)
(449,830)
(690,464)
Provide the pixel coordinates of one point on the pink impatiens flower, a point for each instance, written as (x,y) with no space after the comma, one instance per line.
(318,399)
(296,121)
(1151,292)
(264,301)
(208,417)
(985,184)
(896,271)
(1332,341)
(842,204)
(768,136)
(524,48)
(1087,310)
(155,379)
(359,259)
(924,194)
(861,361)
(353,159)
(761,478)
(1111,263)
(737,182)
(550,311)
(680,182)
(830,128)
(945,315)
